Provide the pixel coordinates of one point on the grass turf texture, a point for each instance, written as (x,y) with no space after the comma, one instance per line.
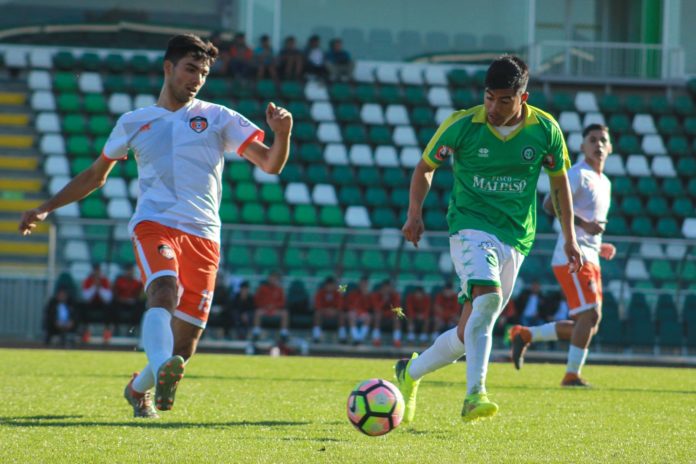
(67,406)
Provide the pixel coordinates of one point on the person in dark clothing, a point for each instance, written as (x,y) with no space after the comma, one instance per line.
(59,317)
(240,313)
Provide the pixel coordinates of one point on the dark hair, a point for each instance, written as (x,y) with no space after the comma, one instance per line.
(595,126)
(188,44)
(508,72)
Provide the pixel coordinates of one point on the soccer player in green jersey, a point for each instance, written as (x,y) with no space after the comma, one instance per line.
(498,150)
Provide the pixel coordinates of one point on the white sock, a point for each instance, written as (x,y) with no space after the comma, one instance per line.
(316,332)
(158,339)
(342,333)
(576,359)
(144,381)
(544,333)
(478,338)
(446,349)
(397,335)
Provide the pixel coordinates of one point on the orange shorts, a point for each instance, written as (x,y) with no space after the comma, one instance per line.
(583,290)
(164,251)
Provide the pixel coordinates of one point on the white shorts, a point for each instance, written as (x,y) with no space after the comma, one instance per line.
(481,259)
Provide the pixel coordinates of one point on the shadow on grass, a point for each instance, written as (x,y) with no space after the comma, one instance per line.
(59,421)
(546,388)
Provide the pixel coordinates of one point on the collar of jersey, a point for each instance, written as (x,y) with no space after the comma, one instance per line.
(529,119)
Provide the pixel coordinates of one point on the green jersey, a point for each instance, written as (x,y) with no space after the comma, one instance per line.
(495,177)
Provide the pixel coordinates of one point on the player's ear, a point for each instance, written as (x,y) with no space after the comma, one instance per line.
(168,67)
(524,97)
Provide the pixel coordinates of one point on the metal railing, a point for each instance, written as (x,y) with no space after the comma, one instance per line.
(601,60)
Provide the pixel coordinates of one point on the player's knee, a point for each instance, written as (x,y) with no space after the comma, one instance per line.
(162,293)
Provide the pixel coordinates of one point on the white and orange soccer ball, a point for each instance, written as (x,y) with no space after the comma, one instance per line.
(375,407)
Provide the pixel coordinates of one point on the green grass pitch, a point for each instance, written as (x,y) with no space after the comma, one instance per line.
(67,406)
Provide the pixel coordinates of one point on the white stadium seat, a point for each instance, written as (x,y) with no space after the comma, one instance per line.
(39,80)
(52,144)
(143,100)
(66,231)
(43,100)
(662,166)
(439,96)
(405,135)
(133,189)
(76,250)
(41,58)
(389,239)
(593,118)
(436,75)
(115,187)
(119,208)
(316,91)
(336,154)
(651,251)
(614,166)
(324,194)
(79,270)
(412,74)
(585,102)
(371,113)
(120,103)
(689,228)
(636,270)
(361,155)
(544,184)
(397,115)
(90,82)
(445,263)
(574,141)
(47,122)
(675,251)
(364,72)
(443,113)
(385,156)
(410,156)
(263,177)
(653,145)
(297,193)
(570,121)
(57,183)
(322,111)
(56,165)
(16,58)
(644,124)
(637,165)
(68,211)
(387,73)
(329,132)
(356,216)
(121,232)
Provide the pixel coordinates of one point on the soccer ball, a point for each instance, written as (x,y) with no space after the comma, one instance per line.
(375,407)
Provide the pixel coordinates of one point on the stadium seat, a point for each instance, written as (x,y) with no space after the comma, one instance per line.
(662,167)
(414,95)
(390,94)
(637,165)
(246,192)
(371,113)
(635,104)
(324,194)
(279,213)
(90,82)
(263,177)
(404,136)
(573,141)
(315,91)
(642,227)
(686,167)
(382,217)
(667,227)
(143,100)
(672,187)
(636,270)
(342,175)
(585,102)
(47,122)
(463,99)
(439,96)
(396,115)
(668,125)
(562,101)
(570,121)
(409,156)
(52,144)
(683,207)
(350,195)
(56,165)
(593,118)
(119,208)
(653,145)
(644,124)
(614,166)
(335,153)
(628,144)
(360,155)
(422,116)
(661,270)
(291,90)
(347,112)
(684,107)
(379,135)
(43,100)
(322,111)
(115,188)
(443,113)
(297,193)
(678,145)
(385,156)
(266,89)
(651,250)
(357,216)
(120,103)
(329,132)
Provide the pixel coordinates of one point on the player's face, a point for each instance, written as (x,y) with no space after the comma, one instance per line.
(596,147)
(186,78)
(503,106)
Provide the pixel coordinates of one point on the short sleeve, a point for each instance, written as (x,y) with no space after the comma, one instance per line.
(238,132)
(556,161)
(575,180)
(443,144)
(116,146)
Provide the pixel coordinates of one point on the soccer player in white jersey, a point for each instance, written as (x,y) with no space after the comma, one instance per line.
(583,291)
(178,144)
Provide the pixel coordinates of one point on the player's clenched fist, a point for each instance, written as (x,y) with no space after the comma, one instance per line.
(278,119)
(413,229)
(29,219)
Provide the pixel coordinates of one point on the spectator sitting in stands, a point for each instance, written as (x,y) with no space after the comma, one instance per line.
(264,60)
(328,305)
(384,301)
(315,65)
(65,281)
(240,311)
(530,302)
(358,305)
(239,57)
(219,68)
(128,302)
(96,297)
(59,317)
(270,302)
(446,309)
(418,314)
(290,60)
(338,62)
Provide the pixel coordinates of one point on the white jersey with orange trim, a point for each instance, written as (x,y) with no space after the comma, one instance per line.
(591,201)
(180,161)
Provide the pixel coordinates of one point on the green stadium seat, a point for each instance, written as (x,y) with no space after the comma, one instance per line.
(668,125)
(342,175)
(669,334)
(319,258)
(479,78)
(266,257)
(90,62)
(246,191)
(95,103)
(125,253)
(115,83)
(279,213)
(77,165)
(368,176)
(617,226)
(93,208)
(443,179)
(562,101)
(294,258)
(240,171)
(68,103)
(690,125)
(620,124)
(100,252)
(394,177)
(292,172)
(64,61)
(458,78)
(688,271)
(372,260)
(65,82)
(684,106)
(266,89)
(672,187)
(622,185)
(432,200)
(661,270)
(538,99)
(659,104)
(292,90)
(143,84)
(657,206)
(347,112)
(422,116)
(666,309)
(354,133)
(74,124)
(678,145)
(250,108)
(668,227)
(350,195)
(217,87)
(686,167)
(331,216)
(316,173)
(691,187)
(463,98)
(100,125)
(628,144)
(140,64)
(79,145)
(304,131)
(425,134)
(609,103)
(435,220)
(306,215)
(253,213)
(380,135)
(229,213)
(341,92)
(415,95)
(399,197)
(426,263)
(383,217)
(300,111)
(635,104)
(640,333)
(683,207)
(272,193)
(642,227)
(130,168)
(365,93)
(115,63)
(390,94)
(238,256)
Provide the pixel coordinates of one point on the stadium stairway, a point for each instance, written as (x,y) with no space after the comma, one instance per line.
(21,182)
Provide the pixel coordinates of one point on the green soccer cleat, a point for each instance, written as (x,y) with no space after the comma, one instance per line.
(478,406)
(141,403)
(407,386)
(168,376)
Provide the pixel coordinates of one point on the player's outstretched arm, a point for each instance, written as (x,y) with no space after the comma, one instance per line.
(272,159)
(420,186)
(79,187)
(563,207)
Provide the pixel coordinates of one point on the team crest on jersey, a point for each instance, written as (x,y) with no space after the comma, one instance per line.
(198,124)
(550,162)
(244,122)
(443,153)
(528,154)
(166,251)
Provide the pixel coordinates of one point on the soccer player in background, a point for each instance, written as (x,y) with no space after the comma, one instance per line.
(498,149)
(591,191)
(178,144)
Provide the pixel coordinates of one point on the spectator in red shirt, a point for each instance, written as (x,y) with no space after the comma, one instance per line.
(328,305)
(418,314)
(446,309)
(128,295)
(358,305)
(384,301)
(270,302)
(240,57)
(96,297)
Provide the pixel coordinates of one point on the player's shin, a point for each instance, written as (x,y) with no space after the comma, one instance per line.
(446,349)
(144,381)
(478,336)
(158,339)
(544,333)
